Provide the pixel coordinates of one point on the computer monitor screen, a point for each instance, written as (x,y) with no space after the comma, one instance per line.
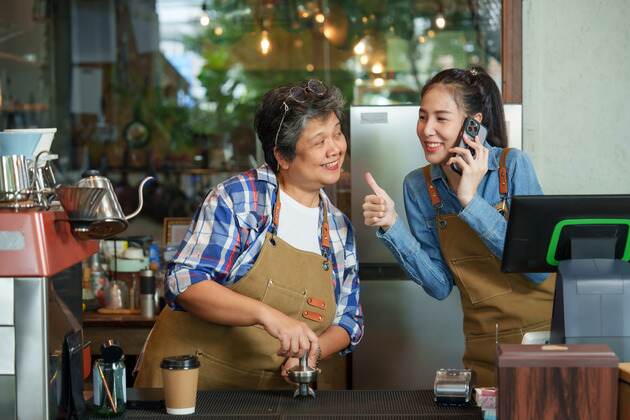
(543,230)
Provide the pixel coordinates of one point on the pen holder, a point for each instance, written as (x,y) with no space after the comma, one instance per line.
(108,380)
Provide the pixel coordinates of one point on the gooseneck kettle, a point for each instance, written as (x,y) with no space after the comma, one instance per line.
(93,208)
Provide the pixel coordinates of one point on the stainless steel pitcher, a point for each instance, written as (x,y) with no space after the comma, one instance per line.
(14,179)
(108,217)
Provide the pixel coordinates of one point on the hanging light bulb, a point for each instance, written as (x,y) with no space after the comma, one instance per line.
(329,32)
(359,48)
(204,19)
(364,59)
(377,68)
(379,81)
(320,18)
(218,31)
(265,44)
(302,12)
(440,21)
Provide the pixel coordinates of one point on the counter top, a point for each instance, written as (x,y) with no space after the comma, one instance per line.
(375,404)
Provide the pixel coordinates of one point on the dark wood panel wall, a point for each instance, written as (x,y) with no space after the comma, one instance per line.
(512,51)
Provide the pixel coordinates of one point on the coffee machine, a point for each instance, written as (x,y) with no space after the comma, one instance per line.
(40,287)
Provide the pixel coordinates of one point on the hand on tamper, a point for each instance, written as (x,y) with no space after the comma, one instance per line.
(304,376)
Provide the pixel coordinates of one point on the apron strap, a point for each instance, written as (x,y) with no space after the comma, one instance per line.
(325,244)
(435,197)
(503,180)
(325,227)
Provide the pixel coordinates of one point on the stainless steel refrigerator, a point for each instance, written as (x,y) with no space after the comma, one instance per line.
(408,334)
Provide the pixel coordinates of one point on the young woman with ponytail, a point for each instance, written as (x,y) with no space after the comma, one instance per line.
(457,223)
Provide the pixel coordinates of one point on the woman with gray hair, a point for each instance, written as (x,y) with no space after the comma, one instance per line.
(267,271)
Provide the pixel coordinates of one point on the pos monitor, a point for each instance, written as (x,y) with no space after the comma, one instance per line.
(586,239)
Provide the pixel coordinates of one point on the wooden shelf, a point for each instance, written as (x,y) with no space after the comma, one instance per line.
(92,319)
(17,59)
(34,107)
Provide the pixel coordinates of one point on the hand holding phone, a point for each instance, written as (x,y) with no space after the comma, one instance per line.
(472,128)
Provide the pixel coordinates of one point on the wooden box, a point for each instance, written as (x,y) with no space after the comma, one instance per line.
(624,391)
(573,381)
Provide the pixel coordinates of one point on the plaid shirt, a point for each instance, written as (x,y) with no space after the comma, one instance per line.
(227,234)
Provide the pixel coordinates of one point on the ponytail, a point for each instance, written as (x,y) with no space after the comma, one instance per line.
(475,91)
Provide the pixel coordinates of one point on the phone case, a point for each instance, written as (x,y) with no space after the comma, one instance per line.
(472,128)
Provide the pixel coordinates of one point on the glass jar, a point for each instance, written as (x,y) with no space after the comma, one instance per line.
(110,392)
(117,295)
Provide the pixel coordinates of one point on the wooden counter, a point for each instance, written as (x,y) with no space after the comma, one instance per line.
(130,331)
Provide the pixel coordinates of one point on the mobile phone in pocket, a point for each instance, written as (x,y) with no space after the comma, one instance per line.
(472,128)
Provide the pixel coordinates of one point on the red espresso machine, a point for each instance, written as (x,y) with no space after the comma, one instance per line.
(40,308)
(41,339)
(42,244)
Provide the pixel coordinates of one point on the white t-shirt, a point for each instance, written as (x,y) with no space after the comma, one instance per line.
(299,224)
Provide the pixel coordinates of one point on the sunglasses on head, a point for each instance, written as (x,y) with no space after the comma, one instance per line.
(299,94)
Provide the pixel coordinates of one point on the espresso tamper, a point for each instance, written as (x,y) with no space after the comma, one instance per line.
(303,375)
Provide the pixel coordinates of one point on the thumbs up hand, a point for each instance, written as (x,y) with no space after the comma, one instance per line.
(378,208)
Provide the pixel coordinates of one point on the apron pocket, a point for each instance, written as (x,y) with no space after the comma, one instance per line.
(284,299)
(482,347)
(216,374)
(481,277)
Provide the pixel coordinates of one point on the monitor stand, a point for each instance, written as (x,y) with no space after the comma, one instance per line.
(592,303)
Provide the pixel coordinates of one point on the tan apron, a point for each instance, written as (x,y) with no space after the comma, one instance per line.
(498,307)
(298,283)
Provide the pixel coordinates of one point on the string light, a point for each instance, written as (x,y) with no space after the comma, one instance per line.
(302,12)
(377,68)
(359,48)
(379,81)
(329,32)
(440,21)
(218,31)
(320,18)
(204,19)
(265,44)
(364,59)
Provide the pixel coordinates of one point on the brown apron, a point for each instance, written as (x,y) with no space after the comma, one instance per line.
(498,307)
(298,283)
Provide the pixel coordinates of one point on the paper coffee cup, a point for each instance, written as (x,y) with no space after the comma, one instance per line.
(179,375)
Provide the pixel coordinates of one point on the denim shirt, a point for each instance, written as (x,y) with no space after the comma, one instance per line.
(417,249)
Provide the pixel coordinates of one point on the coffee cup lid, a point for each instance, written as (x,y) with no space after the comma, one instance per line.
(188,361)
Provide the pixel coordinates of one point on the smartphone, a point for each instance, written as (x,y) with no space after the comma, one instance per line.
(473,129)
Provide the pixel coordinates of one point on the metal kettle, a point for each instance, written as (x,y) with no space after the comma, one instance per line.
(108,217)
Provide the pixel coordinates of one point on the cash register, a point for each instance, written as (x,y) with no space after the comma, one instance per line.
(586,240)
